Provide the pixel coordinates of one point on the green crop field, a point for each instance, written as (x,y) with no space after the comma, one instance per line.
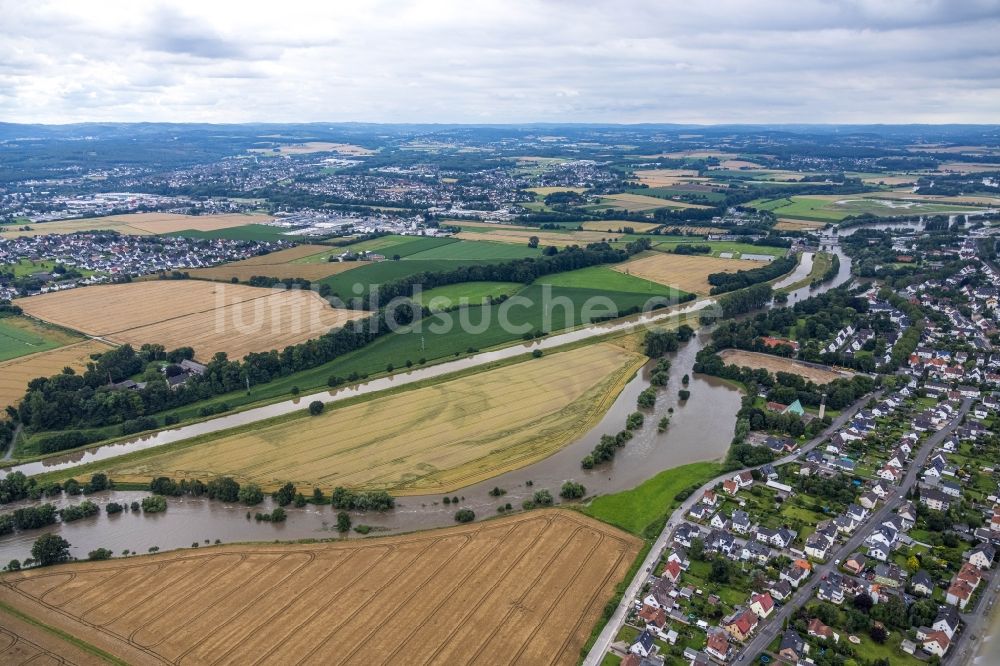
(466,249)
(474,293)
(383,272)
(601,277)
(719,247)
(20,336)
(834,210)
(250,232)
(431,341)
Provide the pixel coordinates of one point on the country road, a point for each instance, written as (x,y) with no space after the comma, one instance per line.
(607,635)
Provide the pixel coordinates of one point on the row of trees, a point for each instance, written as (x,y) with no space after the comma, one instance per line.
(725,282)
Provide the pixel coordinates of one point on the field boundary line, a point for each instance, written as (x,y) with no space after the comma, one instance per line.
(66,636)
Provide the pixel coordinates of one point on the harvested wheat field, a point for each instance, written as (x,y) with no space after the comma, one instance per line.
(667,177)
(24,643)
(433,439)
(519,237)
(166,223)
(604,225)
(643,202)
(785,224)
(16,373)
(773,364)
(208,316)
(74,226)
(684,272)
(281,265)
(522,589)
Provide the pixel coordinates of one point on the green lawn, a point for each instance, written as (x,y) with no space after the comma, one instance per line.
(473,292)
(652,501)
(256,232)
(478,250)
(20,336)
(601,277)
(26,267)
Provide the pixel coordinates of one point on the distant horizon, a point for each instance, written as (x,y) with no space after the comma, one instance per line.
(538,123)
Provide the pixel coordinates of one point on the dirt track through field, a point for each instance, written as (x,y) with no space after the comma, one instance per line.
(521,589)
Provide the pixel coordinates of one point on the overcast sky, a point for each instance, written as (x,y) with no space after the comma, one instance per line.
(755,61)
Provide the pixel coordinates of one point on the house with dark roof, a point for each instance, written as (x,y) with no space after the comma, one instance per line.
(792,647)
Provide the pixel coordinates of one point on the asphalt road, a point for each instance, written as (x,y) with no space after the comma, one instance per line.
(806,592)
(607,635)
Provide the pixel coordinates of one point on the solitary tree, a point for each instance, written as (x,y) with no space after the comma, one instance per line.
(50,549)
(343,522)
(316,407)
(533,242)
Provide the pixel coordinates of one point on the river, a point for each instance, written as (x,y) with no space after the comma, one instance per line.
(701,429)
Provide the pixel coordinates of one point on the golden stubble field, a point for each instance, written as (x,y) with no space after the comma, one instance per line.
(207,316)
(142,224)
(433,439)
(281,264)
(615,225)
(685,272)
(16,373)
(524,589)
(774,364)
(520,237)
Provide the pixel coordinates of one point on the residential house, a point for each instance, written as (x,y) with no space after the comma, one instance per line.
(982,556)
(762,605)
(781,590)
(795,574)
(936,643)
(819,630)
(741,624)
(921,583)
(792,648)
(818,545)
(856,563)
(644,644)
(947,620)
(740,522)
(831,589)
(718,644)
